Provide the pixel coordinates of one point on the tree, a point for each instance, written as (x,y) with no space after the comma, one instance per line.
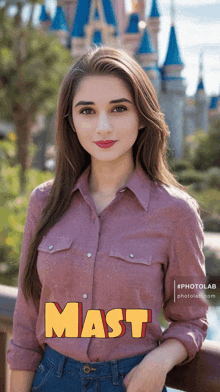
(32,66)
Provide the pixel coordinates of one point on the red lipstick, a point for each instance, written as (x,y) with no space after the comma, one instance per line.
(105,143)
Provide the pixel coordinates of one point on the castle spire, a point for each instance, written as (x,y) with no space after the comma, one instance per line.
(59,22)
(173,54)
(147,58)
(60,26)
(201,84)
(153,24)
(154,13)
(44,16)
(172,12)
(145,44)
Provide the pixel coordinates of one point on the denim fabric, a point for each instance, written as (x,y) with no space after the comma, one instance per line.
(58,373)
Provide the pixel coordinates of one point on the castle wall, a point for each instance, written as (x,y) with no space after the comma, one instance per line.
(172,101)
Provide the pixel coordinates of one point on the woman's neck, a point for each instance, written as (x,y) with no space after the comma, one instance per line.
(107,177)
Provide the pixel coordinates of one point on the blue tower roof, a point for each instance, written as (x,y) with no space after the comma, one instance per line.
(173,55)
(213,102)
(109,12)
(44,17)
(81,18)
(133,23)
(97,37)
(59,21)
(145,44)
(83,13)
(200,85)
(154,10)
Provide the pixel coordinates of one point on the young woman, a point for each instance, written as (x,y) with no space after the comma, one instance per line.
(106,244)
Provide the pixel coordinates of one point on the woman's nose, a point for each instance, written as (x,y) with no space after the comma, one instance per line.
(103,123)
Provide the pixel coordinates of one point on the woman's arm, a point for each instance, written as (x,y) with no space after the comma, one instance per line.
(171,352)
(21,380)
(24,352)
(151,372)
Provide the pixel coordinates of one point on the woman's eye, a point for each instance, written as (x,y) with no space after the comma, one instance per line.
(120,107)
(83,110)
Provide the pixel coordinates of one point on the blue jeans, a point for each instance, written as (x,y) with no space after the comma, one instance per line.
(58,373)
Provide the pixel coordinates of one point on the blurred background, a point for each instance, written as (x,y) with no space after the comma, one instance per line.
(177,44)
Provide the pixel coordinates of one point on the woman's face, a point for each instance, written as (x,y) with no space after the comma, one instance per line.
(103,109)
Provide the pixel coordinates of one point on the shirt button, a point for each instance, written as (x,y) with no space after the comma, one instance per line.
(51,247)
(85,295)
(89,254)
(131,255)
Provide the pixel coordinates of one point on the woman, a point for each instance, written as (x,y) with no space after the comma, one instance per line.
(104,242)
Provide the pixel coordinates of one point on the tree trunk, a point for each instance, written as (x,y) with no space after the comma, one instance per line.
(22,124)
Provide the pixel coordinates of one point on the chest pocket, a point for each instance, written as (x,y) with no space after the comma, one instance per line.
(131,255)
(140,251)
(54,243)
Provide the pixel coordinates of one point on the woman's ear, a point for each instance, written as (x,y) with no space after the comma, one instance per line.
(141,126)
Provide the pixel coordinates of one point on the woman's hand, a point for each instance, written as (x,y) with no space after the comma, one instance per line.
(150,374)
(147,376)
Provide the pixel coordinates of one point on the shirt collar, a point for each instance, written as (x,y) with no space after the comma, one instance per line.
(138,183)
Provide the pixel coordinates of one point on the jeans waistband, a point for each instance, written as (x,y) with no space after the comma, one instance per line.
(91,369)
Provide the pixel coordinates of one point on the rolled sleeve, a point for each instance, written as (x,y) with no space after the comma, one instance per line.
(185,308)
(24,351)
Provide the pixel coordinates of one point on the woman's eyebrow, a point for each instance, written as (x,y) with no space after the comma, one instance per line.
(93,103)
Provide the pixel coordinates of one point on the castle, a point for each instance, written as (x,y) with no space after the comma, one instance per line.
(81,23)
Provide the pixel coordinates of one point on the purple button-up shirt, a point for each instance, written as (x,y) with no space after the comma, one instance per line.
(124,259)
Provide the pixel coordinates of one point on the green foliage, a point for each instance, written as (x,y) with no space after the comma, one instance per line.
(190,176)
(180,165)
(212,262)
(8,153)
(209,201)
(40,74)
(193,141)
(212,177)
(207,154)
(13,214)
(212,224)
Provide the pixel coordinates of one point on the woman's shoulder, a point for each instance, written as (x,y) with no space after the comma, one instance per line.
(176,201)
(39,194)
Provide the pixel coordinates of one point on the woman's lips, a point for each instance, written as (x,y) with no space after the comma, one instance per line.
(106,144)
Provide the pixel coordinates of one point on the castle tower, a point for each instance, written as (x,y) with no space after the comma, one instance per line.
(121,16)
(44,18)
(147,58)
(214,108)
(132,35)
(94,22)
(173,91)
(153,24)
(141,7)
(59,25)
(69,8)
(201,102)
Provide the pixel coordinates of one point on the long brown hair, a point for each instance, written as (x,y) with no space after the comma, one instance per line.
(150,147)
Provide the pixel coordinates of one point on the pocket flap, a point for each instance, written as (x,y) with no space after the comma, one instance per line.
(132,255)
(55,244)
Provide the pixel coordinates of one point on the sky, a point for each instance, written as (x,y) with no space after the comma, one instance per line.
(197,28)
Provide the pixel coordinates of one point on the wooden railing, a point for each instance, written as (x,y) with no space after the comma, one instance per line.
(202,374)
